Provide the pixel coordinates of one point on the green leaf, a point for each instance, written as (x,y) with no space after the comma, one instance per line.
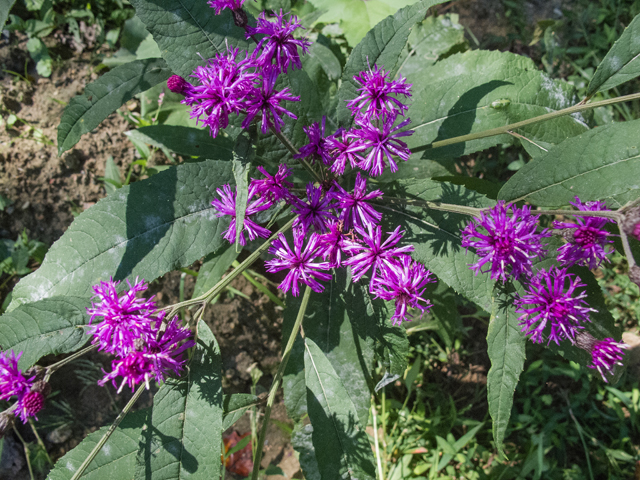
(184,434)
(48,327)
(381,46)
(195,142)
(40,55)
(341,445)
(622,62)
(479,90)
(506,349)
(105,95)
(112,177)
(243,154)
(5,8)
(142,230)
(602,164)
(395,349)
(116,460)
(212,269)
(343,323)
(324,58)
(187,31)
(302,443)
(234,407)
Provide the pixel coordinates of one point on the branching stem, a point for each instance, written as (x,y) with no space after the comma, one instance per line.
(52,368)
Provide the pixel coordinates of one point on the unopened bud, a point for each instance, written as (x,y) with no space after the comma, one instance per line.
(6,422)
(585,340)
(240,18)
(567,234)
(177,84)
(33,402)
(631,223)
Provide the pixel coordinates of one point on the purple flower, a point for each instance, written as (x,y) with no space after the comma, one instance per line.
(586,237)
(375,98)
(353,207)
(383,142)
(125,318)
(134,368)
(224,86)
(317,148)
(344,146)
(374,252)
(316,211)
(278,42)
(12,380)
(331,244)
(227,206)
(273,188)
(298,262)
(405,283)
(220,5)
(507,243)
(605,354)
(551,298)
(29,405)
(266,102)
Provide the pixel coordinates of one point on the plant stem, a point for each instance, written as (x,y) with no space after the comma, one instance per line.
(222,284)
(52,368)
(375,436)
(580,213)
(627,248)
(294,151)
(276,382)
(108,433)
(26,452)
(542,118)
(443,207)
(39,440)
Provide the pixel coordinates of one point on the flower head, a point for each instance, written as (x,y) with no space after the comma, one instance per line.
(344,146)
(586,237)
(317,148)
(331,243)
(353,207)
(220,5)
(551,299)
(278,43)
(12,380)
(605,354)
(265,101)
(299,262)
(404,282)
(376,92)
(507,243)
(29,405)
(177,84)
(273,188)
(134,368)
(316,211)
(383,142)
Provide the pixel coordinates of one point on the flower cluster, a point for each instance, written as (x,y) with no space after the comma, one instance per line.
(144,343)
(14,383)
(507,240)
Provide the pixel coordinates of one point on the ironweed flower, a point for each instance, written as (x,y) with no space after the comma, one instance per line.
(177,84)
(586,237)
(125,317)
(14,383)
(331,244)
(29,405)
(316,211)
(374,252)
(317,148)
(605,354)
(405,283)
(507,243)
(278,43)
(227,206)
(551,298)
(265,101)
(273,188)
(298,261)
(376,92)
(353,207)
(383,142)
(344,146)
(220,5)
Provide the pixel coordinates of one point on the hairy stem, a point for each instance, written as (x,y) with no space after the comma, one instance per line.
(276,382)
(52,368)
(109,432)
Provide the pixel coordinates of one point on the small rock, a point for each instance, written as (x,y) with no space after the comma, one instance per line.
(60,434)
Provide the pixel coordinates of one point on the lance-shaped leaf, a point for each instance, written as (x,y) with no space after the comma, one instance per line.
(302,443)
(234,406)
(188,31)
(116,460)
(102,97)
(479,90)
(341,445)
(622,62)
(195,142)
(393,351)
(143,230)
(382,46)
(213,267)
(183,436)
(602,164)
(48,327)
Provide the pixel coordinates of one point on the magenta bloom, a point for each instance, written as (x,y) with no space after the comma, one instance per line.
(551,299)
(507,243)
(273,188)
(220,5)
(331,244)
(317,148)
(344,146)
(265,102)
(316,211)
(384,144)
(29,405)
(376,92)
(298,262)
(177,84)
(133,368)
(586,238)
(605,354)
(374,252)
(405,283)
(353,207)
(278,43)
(227,206)
(224,86)
(125,318)
(12,380)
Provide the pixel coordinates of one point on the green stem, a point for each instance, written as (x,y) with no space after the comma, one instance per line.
(52,368)
(581,213)
(276,382)
(26,452)
(542,118)
(375,437)
(39,440)
(294,151)
(222,284)
(443,207)
(627,248)
(108,433)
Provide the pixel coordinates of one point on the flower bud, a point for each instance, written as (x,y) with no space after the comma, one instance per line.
(631,223)
(177,84)
(240,17)
(33,402)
